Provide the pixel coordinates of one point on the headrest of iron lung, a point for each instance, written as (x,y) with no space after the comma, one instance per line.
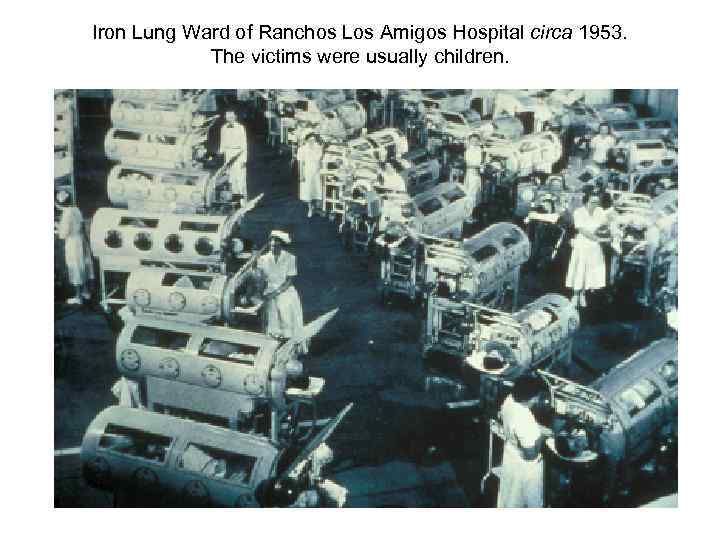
(494,358)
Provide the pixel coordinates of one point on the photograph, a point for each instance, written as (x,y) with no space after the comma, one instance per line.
(365,298)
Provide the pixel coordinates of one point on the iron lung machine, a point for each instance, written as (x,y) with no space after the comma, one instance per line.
(156,147)
(373,199)
(338,122)
(361,159)
(643,225)
(531,153)
(222,371)
(644,232)
(648,155)
(233,378)
(537,336)
(196,297)
(376,147)
(125,240)
(496,347)
(440,211)
(181,116)
(167,237)
(479,269)
(173,461)
(167,190)
(187,462)
(621,428)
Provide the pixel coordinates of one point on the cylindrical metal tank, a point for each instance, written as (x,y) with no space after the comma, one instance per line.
(155,148)
(192,296)
(642,393)
(626,420)
(161,190)
(442,210)
(171,116)
(482,260)
(159,290)
(175,461)
(511,248)
(644,226)
(378,146)
(650,154)
(208,357)
(171,238)
(532,153)
(538,335)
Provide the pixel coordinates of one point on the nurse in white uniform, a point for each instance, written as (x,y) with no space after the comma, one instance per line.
(586,271)
(474,161)
(600,146)
(283,315)
(77,250)
(309,157)
(233,144)
(521,475)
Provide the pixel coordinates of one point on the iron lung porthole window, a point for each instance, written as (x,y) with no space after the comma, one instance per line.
(113,239)
(173,243)
(143,241)
(204,246)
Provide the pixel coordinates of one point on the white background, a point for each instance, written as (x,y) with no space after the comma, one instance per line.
(50,46)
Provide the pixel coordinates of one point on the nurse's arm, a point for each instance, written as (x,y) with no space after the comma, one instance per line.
(583,227)
(285,285)
(281,289)
(587,233)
